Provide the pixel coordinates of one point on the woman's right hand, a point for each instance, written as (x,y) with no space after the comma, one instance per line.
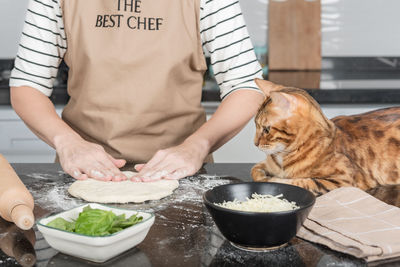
(79,158)
(82,159)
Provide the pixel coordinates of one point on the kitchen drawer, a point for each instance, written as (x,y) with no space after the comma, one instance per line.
(15,135)
(18,143)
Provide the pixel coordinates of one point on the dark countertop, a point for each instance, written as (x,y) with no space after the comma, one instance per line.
(183,233)
(342,80)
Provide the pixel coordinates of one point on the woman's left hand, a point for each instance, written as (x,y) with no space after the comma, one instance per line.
(173,163)
(186,159)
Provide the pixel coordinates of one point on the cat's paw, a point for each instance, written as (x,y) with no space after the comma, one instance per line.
(259,175)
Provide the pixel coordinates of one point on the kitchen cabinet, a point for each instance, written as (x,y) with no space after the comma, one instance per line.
(18,143)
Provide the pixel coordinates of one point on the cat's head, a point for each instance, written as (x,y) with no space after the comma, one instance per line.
(287,117)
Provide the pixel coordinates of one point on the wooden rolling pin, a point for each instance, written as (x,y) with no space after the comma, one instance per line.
(16,203)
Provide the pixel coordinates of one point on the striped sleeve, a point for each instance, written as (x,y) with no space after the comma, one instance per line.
(42,46)
(226,39)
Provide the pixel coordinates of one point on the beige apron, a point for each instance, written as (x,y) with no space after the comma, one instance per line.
(136,73)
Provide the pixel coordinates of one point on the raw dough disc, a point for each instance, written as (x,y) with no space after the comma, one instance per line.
(122,192)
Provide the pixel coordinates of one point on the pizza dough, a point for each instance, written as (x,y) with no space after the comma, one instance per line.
(122,192)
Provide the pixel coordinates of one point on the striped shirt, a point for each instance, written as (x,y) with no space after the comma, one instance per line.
(222,28)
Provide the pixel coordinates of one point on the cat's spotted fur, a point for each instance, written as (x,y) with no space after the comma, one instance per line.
(306,149)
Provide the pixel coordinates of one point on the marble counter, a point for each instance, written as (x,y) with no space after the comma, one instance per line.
(183,234)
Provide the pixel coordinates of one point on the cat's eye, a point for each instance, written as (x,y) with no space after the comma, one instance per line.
(266,129)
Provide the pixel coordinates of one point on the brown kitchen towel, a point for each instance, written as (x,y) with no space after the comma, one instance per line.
(350,220)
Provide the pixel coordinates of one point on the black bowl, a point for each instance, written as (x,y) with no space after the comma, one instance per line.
(258,229)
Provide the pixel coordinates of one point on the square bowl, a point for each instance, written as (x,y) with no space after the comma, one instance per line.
(95,248)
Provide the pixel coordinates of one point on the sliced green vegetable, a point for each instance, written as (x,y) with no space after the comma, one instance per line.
(134,219)
(62,224)
(96,222)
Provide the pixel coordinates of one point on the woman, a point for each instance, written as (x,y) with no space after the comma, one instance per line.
(135,78)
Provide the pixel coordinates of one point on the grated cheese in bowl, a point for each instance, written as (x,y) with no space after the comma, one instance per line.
(260,203)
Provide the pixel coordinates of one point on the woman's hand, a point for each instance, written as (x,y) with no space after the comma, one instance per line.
(173,163)
(79,158)
(82,159)
(186,159)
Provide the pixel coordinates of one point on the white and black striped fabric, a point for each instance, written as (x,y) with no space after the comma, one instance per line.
(222,28)
(225,37)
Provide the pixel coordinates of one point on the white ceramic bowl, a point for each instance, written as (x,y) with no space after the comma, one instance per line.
(95,248)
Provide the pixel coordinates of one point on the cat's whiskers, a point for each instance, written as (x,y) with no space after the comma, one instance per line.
(269,150)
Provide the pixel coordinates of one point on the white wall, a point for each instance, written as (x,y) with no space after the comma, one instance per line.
(349,27)
(12,14)
(255,14)
(360,27)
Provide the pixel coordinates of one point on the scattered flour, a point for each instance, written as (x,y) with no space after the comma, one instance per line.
(189,192)
(52,195)
(59,198)
(8,261)
(41,176)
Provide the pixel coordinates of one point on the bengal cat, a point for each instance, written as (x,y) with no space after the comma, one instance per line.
(306,149)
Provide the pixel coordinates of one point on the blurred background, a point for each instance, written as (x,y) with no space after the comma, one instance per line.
(348,27)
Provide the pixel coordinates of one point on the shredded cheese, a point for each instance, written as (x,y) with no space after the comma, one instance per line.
(260,203)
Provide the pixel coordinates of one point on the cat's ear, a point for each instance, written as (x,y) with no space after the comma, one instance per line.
(267,87)
(286,103)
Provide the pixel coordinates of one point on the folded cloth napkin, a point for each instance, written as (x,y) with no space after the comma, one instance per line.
(350,220)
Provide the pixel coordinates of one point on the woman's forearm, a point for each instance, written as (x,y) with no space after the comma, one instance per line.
(39,114)
(230,117)
(79,158)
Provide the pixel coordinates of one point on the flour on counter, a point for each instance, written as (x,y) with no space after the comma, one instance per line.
(58,197)
(46,176)
(183,214)
(52,195)
(51,192)
(190,191)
